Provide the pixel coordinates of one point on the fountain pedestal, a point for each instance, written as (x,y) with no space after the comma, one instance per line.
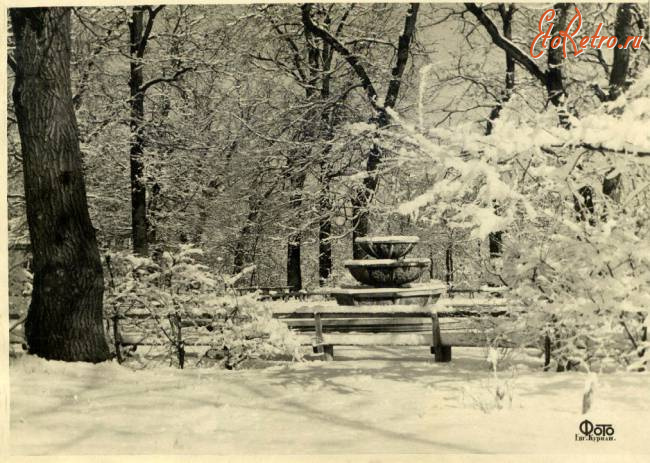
(414,295)
(387,279)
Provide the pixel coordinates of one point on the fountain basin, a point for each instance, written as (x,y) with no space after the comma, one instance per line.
(383,273)
(421,295)
(387,247)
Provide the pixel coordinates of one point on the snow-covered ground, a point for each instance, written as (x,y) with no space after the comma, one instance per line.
(384,400)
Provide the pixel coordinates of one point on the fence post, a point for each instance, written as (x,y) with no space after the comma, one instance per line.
(180,344)
(449,266)
(547,352)
(117,339)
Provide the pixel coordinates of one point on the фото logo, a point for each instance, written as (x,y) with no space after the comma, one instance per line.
(595,432)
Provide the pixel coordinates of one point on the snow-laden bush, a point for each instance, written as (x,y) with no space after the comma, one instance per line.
(575,208)
(174,300)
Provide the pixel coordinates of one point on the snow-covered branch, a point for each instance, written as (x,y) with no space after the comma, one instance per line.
(506,45)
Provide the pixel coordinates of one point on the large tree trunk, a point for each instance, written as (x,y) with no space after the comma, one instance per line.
(506,16)
(495,240)
(64,321)
(555,74)
(361,202)
(139,224)
(366,192)
(294,270)
(618,82)
(360,212)
(618,79)
(449,265)
(297,179)
(241,257)
(325,228)
(325,202)
(324,245)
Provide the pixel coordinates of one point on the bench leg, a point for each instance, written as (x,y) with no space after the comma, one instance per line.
(441,353)
(328,352)
(326,349)
(547,352)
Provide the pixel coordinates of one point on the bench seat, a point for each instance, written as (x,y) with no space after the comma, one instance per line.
(442,326)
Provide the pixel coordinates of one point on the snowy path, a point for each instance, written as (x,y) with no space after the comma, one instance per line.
(393,400)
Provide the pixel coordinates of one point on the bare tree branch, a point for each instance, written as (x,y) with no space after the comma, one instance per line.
(158,80)
(147,30)
(506,45)
(402,55)
(344,18)
(294,47)
(352,60)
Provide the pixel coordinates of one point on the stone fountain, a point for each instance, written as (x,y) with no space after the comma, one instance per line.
(387,276)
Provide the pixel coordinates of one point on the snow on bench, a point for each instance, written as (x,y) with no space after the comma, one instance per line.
(452,322)
(457,321)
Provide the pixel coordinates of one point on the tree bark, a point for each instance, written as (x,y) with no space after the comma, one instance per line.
(64,321)
(294,270)
(325,203)
(241,256)
(360,203)
(296,170)
(553,77)
(618,79)
(506,16)
(449,266)
(495,240)
(510,48)
(139,223)
(324,237)
(618,82)
(555,73)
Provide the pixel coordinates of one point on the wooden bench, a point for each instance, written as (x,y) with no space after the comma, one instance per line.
(439,327)
(462,322)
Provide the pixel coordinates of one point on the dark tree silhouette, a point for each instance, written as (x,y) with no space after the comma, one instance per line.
(360,220)
(64,321)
